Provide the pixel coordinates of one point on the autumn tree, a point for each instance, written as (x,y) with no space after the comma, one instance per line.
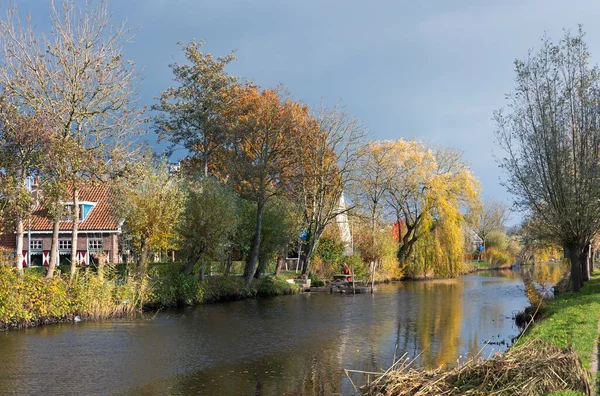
(24,139)
(428,191)
(151,205)
(326,154)
(189,113)
(260,127)
(549,132)
(76,77)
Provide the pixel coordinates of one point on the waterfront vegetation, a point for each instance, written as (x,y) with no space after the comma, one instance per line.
(30,300)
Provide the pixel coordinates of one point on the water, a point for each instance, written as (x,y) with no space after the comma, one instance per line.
(283,345)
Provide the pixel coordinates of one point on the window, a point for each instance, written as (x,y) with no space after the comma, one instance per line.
(64,244)
(95,245)
(68,213)
(36,244)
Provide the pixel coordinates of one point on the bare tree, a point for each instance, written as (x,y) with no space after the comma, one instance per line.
(77,77)
(492,217)
(550,132)
(326,159)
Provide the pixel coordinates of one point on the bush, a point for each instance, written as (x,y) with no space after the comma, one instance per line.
(30,299)
(497,239)
(499,258)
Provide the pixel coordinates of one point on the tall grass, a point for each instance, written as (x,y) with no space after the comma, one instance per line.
(29,300)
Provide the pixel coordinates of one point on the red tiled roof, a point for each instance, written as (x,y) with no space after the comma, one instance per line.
(102,216)
(8,242)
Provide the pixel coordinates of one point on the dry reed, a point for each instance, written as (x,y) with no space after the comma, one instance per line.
(534,368)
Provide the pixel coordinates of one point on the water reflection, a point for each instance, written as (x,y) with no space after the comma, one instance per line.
(285,345)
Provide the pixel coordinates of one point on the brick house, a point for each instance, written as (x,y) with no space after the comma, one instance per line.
(99,231)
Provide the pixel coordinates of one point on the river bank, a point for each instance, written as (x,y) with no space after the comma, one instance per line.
(563,340)
(30,300)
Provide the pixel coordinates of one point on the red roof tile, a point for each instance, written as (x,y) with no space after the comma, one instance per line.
(102,216)
(8,242)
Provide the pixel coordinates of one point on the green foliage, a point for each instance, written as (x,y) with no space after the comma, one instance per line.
(209,219)
(188,290)
(30,299)
(571,319)
(497,239)
(151,208)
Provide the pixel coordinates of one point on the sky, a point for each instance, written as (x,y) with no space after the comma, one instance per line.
(430,70)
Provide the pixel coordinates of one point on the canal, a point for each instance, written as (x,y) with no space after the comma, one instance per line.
(282,345)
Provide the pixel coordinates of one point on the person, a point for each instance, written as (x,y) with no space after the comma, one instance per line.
(347,272)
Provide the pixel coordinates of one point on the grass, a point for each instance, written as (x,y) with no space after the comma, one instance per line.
(483,264)
(571,319)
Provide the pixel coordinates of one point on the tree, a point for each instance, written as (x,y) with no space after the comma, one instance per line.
(428,189)
(76,77)
(24,139)
(368,192)
(549,132)
(189,114)
(151,206)
(260,128)
(491,218)
(325,158)
(281,222)
(208,222)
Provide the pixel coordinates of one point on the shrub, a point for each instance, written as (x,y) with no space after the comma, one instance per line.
(499,258)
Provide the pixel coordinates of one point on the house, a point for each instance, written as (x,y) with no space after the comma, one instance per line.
(99,231)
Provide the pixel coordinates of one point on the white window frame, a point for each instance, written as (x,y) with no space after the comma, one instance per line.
(95,249)
(67,242)
(34,244)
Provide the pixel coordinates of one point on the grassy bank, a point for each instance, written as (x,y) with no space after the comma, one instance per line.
(571,319)
(30,300)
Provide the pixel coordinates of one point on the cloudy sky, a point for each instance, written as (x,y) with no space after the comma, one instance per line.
(431,70)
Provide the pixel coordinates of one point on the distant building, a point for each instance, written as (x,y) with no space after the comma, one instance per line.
(99,231)
(344,226)
(474,239)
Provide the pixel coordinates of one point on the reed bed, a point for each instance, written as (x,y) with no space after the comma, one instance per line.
(534,368)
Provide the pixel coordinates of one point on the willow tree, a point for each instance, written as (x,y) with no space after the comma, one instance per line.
(428,191)
(189,113)
(550,131)
(151,205)
(208,222)
(77,77)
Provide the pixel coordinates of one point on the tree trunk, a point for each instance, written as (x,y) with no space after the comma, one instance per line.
(281,259)
(253,259)
(590,253)
(53,249)
(585,267)
(19,252)
(74,231)
(201,272)
(312,247)
(141,264)
(262,264)
(229,262)
(574,253)
(189,265)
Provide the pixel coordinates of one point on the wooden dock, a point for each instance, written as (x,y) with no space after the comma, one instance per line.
(343,286)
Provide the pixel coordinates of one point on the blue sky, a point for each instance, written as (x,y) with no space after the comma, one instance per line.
(431,70)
